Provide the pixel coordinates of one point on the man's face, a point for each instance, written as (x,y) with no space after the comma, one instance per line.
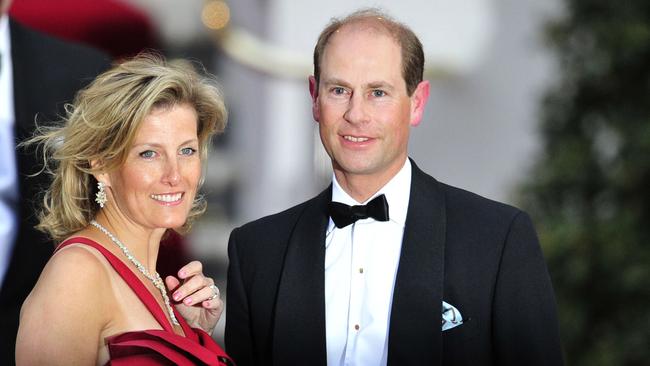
(361,104)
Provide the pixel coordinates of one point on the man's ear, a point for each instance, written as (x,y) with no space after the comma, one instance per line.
(313,91)
(419,100)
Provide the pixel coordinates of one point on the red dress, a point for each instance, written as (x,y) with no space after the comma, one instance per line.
(155,346)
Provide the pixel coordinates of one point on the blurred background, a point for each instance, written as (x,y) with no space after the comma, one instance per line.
(541,104)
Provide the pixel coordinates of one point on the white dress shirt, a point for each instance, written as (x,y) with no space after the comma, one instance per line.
(8,174)
(361,262)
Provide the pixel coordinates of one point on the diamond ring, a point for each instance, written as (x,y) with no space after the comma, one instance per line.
(215,289)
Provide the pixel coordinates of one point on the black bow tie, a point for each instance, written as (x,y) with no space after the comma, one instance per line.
(344,215)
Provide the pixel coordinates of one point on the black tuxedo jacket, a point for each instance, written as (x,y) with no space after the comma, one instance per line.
(481,256)
(46,74)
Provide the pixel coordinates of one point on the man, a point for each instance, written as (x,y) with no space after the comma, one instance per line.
(425,274)
(38,75)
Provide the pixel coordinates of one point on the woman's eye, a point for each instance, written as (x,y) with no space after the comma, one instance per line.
(188,151)
(378,93)
(148,154)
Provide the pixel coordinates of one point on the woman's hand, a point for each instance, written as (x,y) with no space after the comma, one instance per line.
(196,297)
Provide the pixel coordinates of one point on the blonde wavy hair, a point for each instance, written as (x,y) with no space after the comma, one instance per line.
(101,125)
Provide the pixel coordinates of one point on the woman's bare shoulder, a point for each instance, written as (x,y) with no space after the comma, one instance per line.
(86,262)
(74,272)
(67,309)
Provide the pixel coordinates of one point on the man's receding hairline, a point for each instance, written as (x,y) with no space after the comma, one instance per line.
(363,25)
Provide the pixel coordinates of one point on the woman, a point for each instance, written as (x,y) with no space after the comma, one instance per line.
(126,167)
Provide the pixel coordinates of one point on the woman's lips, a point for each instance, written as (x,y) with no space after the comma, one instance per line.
(168,198)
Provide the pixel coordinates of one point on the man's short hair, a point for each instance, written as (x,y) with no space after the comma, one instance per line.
(412,53)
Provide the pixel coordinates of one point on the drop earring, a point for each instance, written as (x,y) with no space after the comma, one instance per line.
(100,196)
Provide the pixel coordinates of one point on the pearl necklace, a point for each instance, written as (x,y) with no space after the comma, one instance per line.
(156,280)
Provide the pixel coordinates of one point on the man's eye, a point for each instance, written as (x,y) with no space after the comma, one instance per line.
(188,151)
(148,154)
(338,90)
(378,93)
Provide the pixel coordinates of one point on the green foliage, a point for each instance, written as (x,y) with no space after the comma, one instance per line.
(589,192)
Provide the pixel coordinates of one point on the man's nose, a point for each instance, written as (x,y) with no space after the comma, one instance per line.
(357,110)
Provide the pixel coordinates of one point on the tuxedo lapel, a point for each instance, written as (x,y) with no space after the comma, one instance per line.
(414,334)
(299,331)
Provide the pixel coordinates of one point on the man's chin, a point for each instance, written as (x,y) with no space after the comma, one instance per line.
(361,166)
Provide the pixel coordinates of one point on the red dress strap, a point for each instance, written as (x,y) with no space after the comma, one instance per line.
(133,281)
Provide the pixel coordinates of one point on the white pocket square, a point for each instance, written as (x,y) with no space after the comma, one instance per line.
(451,317)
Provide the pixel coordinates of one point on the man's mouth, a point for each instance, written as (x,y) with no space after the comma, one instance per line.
(356,139)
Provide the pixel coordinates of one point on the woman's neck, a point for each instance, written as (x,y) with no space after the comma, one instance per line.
(143,243)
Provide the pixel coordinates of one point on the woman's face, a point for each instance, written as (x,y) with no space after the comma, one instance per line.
(157,184)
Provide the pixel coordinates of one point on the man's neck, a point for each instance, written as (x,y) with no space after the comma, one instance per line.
(363,186)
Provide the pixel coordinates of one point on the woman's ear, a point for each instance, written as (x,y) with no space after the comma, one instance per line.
(99,174)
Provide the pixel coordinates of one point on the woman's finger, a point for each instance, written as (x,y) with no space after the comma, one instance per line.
(191,269)
(172,283)
(214,306)
(193,287)
(208,294)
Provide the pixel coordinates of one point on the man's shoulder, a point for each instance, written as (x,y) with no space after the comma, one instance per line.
(462,198)
(77,57)
(278,222)
(281,224)
(470,215)
(48,72)
(471,207)
(267,237)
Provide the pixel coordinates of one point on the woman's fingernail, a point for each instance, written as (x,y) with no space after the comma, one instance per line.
(187,301)
(177,295)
